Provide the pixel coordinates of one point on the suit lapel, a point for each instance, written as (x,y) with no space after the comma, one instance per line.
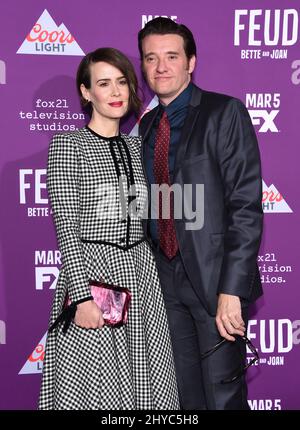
(189,123)
(150,120)
(145,130)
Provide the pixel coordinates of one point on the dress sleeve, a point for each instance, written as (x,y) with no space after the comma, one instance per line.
(63,191)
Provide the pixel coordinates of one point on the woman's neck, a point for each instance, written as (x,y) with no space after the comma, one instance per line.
(107,128)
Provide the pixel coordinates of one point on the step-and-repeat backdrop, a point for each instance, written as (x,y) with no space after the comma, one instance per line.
(249,49)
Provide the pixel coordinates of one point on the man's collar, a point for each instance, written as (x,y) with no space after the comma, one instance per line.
(179,102)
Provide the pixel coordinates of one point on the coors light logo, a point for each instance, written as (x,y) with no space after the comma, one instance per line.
(273,201)
(34,363)
(46,38)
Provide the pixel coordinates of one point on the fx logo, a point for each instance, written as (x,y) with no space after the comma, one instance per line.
(46,277)
(259,115)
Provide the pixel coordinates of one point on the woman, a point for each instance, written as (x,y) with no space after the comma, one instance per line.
(88,364)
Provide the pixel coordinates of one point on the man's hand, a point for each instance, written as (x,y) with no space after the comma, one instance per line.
(88,315)
(229,316)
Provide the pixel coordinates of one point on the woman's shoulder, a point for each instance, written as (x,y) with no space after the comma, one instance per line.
(69,136)
(68,143)
(137,140)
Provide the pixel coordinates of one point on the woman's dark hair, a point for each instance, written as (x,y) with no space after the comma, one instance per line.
(164,26)
(117,59)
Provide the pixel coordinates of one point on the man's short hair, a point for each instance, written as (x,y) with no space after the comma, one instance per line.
(164,26)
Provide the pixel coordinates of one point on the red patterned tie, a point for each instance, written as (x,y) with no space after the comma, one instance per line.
(166,227)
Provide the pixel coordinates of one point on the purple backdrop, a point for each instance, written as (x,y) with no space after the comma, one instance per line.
(243,50)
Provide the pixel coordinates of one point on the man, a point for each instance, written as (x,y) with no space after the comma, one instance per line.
(208,275)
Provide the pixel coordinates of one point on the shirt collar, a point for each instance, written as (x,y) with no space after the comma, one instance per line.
(182,100)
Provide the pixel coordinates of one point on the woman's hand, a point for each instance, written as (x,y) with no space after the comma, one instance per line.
(88,315)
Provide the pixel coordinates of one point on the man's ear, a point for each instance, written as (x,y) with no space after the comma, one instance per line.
(192,64)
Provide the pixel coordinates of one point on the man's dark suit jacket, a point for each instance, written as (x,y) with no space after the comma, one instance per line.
(218,148)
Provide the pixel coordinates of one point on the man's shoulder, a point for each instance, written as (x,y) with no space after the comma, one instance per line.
(148,115)
(215,102)
(217,98)
(146,120)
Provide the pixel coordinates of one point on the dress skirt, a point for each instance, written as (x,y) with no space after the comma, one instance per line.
(129,367)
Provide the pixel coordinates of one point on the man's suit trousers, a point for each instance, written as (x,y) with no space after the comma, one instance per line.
(194,331)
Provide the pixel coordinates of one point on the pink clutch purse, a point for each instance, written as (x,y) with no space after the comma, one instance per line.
(112,300)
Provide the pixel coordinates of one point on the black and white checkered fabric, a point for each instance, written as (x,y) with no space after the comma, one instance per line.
(130,367)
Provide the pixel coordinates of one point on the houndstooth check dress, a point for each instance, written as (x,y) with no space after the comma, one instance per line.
(129,367)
